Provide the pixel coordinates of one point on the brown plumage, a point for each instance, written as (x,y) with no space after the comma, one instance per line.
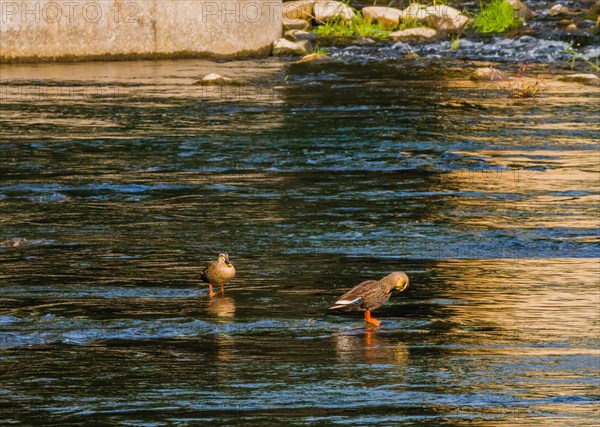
(371,294)
(218,273)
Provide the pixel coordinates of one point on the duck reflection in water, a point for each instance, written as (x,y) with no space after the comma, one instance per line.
(221,306)
(368,346)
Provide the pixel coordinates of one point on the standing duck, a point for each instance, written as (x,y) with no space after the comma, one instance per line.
(371,294)
(218,272)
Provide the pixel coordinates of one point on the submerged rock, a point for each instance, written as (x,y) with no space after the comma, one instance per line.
(214,79)
(587,79)
(314,57)
(487,73)
(285,47)
(361,41)
(414,34)
(300,9)
(386,17)
(327,10)
(294,24)
(559,9)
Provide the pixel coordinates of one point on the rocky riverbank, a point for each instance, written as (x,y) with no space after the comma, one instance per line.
(502,31)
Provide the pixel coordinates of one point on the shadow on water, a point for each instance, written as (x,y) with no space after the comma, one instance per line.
(113,200)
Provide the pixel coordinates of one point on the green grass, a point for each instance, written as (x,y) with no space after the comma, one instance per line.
(497,17)
(358,27)
(575,56)
(320,51)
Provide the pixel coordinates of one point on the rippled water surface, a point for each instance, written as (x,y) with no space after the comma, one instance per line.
(120,180)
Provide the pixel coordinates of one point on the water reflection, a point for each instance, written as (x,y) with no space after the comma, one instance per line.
(347,172)
(221,306)
(367,347)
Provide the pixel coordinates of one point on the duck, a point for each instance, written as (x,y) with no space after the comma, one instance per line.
(371,294)
(218,273)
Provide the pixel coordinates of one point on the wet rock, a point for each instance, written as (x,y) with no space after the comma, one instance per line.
(327,10)
(297,35)
(214,79)
(414,34)
(487,73)
(361,41)
(446,18)
(294,24)
(386,17)
(521,10)
(284,47)
(414,12)
(594,12)
(441,17)
(559,9)
(587,24)
(587,79)
(313,57)
(301,9)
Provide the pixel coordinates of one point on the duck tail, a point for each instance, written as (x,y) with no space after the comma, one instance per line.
(345,303)
(204,278)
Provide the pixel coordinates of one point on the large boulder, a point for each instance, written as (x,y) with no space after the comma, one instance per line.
(300,9)
(414,34)
(327,10)
(285,47)
(386,17)
(446,18)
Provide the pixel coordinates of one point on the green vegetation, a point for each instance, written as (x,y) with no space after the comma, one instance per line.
(497,17)
(320,51)
(455,42)
(526,89)
(359,26)
(575,56)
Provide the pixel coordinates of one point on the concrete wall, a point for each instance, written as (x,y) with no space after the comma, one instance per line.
(34,30)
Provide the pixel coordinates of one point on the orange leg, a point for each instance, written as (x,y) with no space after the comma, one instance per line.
(369,319)
(210,291)
(222,290)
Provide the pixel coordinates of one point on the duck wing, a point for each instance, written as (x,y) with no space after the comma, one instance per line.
(208,270)
(352,299)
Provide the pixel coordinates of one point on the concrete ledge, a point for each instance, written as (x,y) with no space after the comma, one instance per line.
(71,30)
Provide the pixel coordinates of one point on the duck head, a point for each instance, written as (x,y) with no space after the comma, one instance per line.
(225,258)
(397,281)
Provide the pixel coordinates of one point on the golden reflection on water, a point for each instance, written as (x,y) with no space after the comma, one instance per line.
(221,306)
(367,347)
(531,299)
(546,190)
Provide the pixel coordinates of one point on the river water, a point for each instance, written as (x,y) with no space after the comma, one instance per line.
(121,180)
